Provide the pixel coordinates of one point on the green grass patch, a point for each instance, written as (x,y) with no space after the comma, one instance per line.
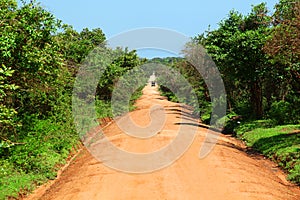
(251,125)
(281,144)
(42,148)
(13,181)
(36,158)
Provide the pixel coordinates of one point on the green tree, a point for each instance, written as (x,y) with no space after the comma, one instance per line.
(284,44)
(237,48)
(283,47)
(28,48)
(123,61)
(7,114)
(76,46)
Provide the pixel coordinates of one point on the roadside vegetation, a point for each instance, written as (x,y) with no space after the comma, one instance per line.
(258,56)
(40,57)
(280,143)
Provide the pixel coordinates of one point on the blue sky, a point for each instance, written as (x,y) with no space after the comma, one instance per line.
(189,17)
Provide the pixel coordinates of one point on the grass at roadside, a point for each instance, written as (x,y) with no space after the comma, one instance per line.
(37,156)
(42,151)
(281,144)
(15,182)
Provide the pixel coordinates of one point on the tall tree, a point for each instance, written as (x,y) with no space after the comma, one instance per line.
(284,43)
(75,46)
(236,46)
(283,47)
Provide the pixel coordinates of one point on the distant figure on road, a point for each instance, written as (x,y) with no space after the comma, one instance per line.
(152,80)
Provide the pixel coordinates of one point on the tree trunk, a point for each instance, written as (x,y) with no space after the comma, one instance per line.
(256,99)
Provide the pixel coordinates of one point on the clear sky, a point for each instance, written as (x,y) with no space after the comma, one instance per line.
(190,17)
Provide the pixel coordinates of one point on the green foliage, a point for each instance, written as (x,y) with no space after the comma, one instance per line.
(36,157)
(123,61)
(76,46)
(27,47)
(281,144)
(205,117)
(103,109)
(176,85)
(168,93)
(280,112)
(36,129)
(231,121)
(7,114)
(247,126)
(283,47)
(122,69)
(13,181)
(236,47)
(46,144)
(294,173)
(135,96)
(258,57)
(254,53)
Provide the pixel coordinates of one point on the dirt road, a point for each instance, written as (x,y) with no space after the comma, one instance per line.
(227,173)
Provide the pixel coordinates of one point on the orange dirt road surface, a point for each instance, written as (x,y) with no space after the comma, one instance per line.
(228,172)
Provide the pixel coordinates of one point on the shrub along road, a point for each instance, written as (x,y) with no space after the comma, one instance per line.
(227,173)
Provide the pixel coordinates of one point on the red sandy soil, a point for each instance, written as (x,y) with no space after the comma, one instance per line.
(228,172)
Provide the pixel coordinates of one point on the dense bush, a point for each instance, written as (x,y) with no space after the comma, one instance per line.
(37,73)
(39,64)
(280,112)
(181,82)
(258,57)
